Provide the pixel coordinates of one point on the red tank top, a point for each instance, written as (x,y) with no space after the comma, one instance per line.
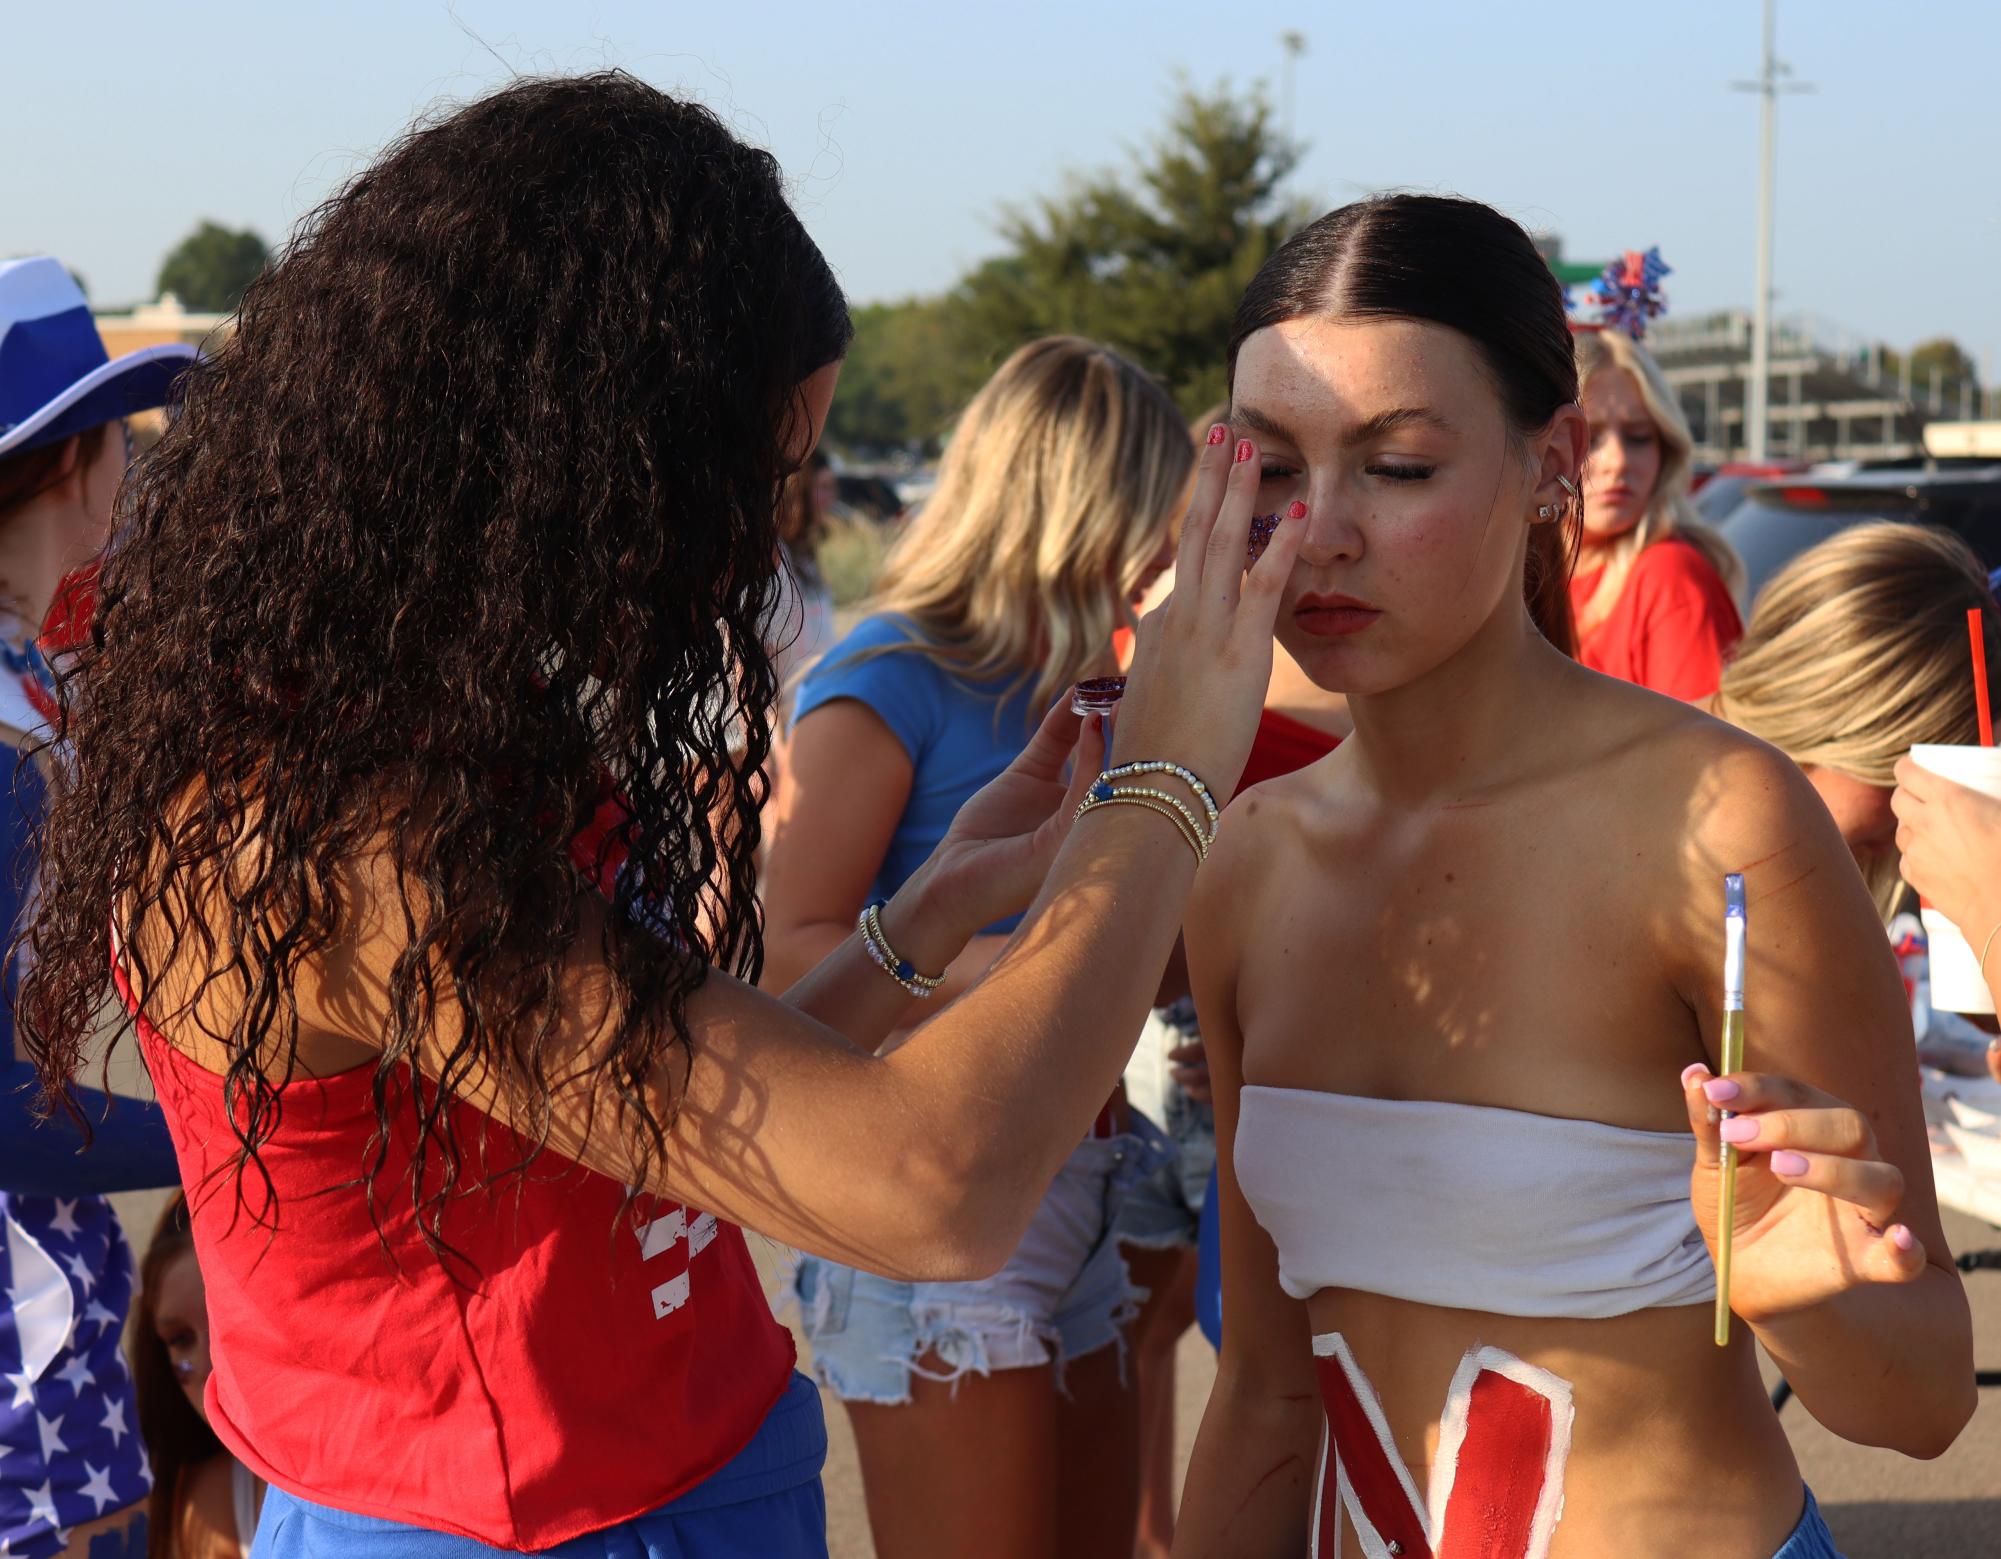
(579,1367)
(1282,745)
(1672,628)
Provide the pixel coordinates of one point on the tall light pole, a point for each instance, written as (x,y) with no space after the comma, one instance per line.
(1294,45)
(1768,86)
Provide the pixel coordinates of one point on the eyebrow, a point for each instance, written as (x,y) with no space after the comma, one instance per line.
(1383,422)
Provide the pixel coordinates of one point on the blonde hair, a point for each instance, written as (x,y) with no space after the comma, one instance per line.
(1670,513)
(1857,652)
(1058,489)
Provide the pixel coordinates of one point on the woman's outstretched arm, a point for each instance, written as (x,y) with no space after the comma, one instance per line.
(780,1124)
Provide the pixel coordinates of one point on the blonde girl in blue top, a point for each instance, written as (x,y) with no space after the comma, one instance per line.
(992,1417)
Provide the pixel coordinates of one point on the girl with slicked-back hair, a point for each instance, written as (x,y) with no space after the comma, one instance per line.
(418,748)
(1449,974)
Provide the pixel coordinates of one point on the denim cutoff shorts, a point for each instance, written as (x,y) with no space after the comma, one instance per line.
(1164,1211)
(1062,1294)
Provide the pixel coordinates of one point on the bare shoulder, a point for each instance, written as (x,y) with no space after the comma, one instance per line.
(1261,829)
(1724,802)
(1727,794)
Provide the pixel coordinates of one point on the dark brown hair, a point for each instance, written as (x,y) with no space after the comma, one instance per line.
(470,519)
(176,1437)
(1455,263)
(30,472)
(799,523)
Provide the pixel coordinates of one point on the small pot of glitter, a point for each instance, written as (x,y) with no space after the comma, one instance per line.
(1097,696)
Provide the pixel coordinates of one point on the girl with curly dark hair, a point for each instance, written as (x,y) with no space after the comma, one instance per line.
(405,799)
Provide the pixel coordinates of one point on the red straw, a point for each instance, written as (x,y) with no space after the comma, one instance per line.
(1979,639)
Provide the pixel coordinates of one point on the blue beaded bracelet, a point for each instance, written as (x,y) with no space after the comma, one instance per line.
(885,957)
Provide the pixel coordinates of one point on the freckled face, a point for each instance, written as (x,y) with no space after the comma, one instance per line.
(1418,502)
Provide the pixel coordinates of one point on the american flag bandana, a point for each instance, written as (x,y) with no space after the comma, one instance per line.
(69,1440)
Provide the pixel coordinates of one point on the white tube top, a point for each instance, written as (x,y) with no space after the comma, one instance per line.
(1471,1207)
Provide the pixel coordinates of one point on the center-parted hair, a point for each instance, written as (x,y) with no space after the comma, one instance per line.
(1060,484)
(1450,262)
(470,522)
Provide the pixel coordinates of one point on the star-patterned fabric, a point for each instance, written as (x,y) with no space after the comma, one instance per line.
(69,1443)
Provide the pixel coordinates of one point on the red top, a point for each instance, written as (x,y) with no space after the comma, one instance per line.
(1672,627)
(584,1366)
(1282,745)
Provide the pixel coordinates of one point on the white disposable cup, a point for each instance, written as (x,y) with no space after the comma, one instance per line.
(1957,984)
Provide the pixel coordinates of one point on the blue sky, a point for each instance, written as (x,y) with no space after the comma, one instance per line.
(905,127)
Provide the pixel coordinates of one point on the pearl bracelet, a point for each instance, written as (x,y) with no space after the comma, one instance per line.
(901,970)
(1159,766)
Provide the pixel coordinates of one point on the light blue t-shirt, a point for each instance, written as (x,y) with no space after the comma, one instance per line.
(958,734)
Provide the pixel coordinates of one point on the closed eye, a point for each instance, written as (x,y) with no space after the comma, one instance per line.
(1404,473)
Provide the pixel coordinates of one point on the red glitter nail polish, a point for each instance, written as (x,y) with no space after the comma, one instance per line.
(1243,450)
(1297,511)
(1218,433)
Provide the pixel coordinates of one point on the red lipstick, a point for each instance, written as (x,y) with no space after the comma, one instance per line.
(1333,616)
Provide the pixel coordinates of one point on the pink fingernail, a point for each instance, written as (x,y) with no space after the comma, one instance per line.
(1739,1129)
(1720,1091)
(1690,1073)
(1297,511)
(1243,450)
(1217,434)
(1902,1238)
(1789,1164)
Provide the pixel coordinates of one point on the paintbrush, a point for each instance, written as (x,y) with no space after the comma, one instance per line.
(1732,1060)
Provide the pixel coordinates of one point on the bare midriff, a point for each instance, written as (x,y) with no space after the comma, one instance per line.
(1703,1468)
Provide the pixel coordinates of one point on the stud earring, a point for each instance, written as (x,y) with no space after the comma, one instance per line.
(1545,511)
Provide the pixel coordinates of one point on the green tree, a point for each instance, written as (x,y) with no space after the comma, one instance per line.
(209,269)
(1151,260)
(1955,367)
(903,382)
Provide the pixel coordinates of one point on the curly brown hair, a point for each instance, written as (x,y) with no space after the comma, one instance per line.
(470,523)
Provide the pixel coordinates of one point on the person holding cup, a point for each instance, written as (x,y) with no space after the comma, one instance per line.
(1855,655)
(1948,809)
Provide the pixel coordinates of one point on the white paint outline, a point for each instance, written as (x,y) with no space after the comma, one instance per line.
(1332,1345)
(1452,1437)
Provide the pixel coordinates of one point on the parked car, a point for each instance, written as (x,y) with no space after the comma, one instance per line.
(1718,495)
(874,497)
(1779,520)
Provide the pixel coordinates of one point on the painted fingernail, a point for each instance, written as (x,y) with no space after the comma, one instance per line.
(1690,1073)
(1902,1238)
(1217,434)
(1720,1090)
(1792,1165)
(1739,1128)
(1296,511)
(1243,450)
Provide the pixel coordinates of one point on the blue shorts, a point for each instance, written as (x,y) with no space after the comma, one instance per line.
(1063,1293)
(766,1503)
(1810,1539)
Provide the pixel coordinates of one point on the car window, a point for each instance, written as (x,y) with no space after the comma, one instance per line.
(1975,517)
(1720,495)
(1768,536)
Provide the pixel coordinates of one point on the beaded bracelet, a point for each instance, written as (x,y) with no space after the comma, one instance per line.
(1177,814)
(1159,766)
(1195,829)
(901,970)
